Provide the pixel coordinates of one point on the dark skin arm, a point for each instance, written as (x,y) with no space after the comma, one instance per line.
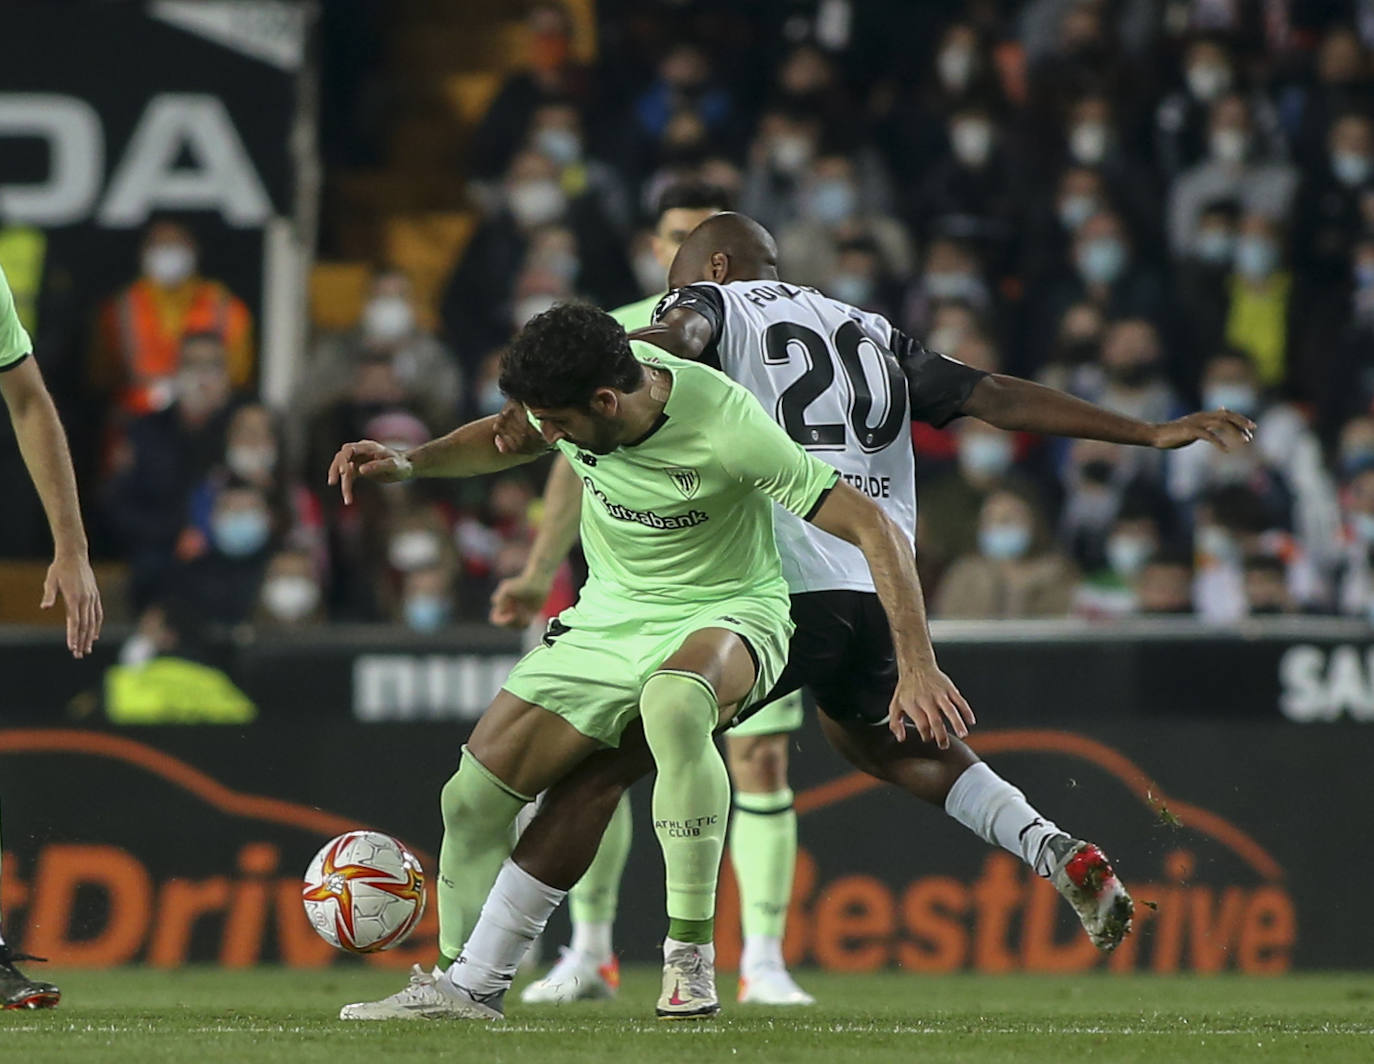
(681,332)
(1023,406)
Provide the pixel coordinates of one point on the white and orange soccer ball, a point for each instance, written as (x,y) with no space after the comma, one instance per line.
(364,892)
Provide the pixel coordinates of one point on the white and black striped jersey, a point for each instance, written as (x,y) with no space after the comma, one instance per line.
(845,385)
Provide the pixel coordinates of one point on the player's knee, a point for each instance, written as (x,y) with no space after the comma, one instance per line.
(758,763)
(678,711)
(474,799)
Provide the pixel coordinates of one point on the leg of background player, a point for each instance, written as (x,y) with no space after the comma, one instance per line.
(588,967)
(997,812)
(763,850)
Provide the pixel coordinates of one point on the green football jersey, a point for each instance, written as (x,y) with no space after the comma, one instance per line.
(14,341)
(639,315)
(684,516)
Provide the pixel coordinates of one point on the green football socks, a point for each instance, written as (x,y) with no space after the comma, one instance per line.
(763,849)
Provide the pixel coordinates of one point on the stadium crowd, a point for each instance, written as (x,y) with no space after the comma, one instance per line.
(1154,205)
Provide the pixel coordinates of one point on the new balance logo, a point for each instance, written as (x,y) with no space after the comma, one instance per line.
(586,459)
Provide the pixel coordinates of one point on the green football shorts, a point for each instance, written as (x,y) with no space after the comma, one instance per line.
(784,715)
(590,670)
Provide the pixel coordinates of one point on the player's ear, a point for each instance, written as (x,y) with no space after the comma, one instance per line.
(720,266)
(604,402)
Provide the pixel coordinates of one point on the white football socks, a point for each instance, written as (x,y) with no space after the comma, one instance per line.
(514,915)
(592,940)
(998,813)
(761,952)
(708,950)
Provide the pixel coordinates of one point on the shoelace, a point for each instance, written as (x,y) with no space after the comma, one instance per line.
(9,956)
(691,966)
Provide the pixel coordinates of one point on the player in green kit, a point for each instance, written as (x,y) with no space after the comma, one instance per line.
(684,619)
(763,827)
(44,448)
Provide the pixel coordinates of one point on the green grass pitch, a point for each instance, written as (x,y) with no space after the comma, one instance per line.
(204,1016)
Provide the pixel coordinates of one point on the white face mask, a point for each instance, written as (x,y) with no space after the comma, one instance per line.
(1229,145)
(413,549)
(955,67)
(1207,81)
(531,307)
(537,202)
(971,141)
(1127,554)
(1088,142)
(945,339)
(649,273)
(169,264)
(388,318)
(790,152)
(251,462)
(290,598)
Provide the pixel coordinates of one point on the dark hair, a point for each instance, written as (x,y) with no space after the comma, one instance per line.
(694,196)
(564,354)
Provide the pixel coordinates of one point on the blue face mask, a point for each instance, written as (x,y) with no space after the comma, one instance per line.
(831,201)
(985,455)
(491,400)
(1364,274)
(1356,461)
(561,145)
(1238,397)
(1076,210)
(1102,260)
(1363,527)
(1351,169)
(1215,246)
(1004,542)
(241,533)
(1127,554)
(1256,257)
(851,288)
(425,613)
(951,285)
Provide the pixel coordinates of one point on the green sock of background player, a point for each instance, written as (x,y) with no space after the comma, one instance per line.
(592,903)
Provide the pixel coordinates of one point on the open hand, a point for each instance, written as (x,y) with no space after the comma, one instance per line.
(929,700)
(72,578)
(368,459)
(1223,428)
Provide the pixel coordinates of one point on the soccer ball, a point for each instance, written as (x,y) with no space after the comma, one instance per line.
(364,892)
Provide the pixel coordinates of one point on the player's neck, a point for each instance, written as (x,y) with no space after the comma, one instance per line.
(644,406)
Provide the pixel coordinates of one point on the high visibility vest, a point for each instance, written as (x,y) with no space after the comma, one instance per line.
(174,691)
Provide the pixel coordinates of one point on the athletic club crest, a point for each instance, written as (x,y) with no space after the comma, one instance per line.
(688,481)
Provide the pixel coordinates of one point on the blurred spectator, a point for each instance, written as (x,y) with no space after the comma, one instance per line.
(428,603)
(1355,446)
(1073,364)
(680,209)
(1165,584)
(479,300)
(859,277)
(556,132)
(1260,315)
(163,456)
(1334,365)
(1016,573)
(494,542)
(950,503)
(389,330)
(142,328)
(290,596)
(1099,479)
(1235,169)
(1201,277)
(1094,136)
(950,277)
(807,81)
(957,330)
(1134,382)
(1266,586)
(684,84)
(1354,583)
(1327,215)
(784,144)
(1109,589)
(551,75)
(1344,83)
(221,584)
(832,212)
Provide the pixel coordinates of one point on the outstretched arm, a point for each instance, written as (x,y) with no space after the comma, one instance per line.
(1024,406)
(516,599)
(925,695)
(468,451)
(43,445)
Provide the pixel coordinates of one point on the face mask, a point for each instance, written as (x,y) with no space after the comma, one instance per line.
(1229,145)
(537,202)
(1238,397)
(491,400)
(241,533)
(425,613)
(1127,554)
(950,285)
(562,264)
(1215,246)
(387,318)
(1207,81)
(1351,169)
(563,146)
(1004,542)
(790,152)
(531,307)
(169,264)
(1075,210)
(1362,525)
(1256,257)
(1216,543)
(851,288)
(1364,274)
(1356,460)
(1088,142)
(831,201)
(415,549)
(946,339)
(649,272)
(955,68)
(972,142)
(982,455)
(251,462)
(138,649)
(290,598)
(1102,260)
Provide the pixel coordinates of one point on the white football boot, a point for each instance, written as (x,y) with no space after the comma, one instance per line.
(1084,876)
(689,985)
(576,977)
(771,985)
(426,997)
